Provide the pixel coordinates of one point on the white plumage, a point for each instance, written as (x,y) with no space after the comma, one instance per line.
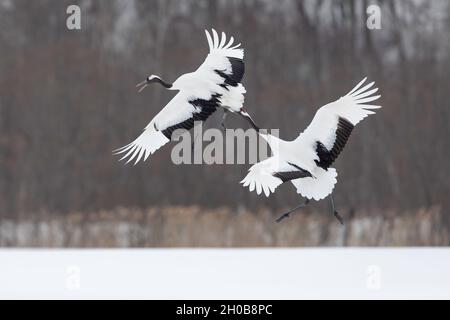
(216,83)
(306,160)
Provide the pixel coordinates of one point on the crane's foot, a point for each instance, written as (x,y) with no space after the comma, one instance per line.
(288,214)
(335,213)
(282,217)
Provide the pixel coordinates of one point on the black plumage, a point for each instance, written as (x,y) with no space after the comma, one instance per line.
(292,175)
(236,75)
(238,69)
(205,107)
(327,157)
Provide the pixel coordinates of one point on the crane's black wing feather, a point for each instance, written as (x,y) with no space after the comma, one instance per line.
(327,157)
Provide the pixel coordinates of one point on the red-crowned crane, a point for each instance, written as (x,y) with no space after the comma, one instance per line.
(216,83)
(306,160)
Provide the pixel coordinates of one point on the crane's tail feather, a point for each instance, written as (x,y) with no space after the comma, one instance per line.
(317,187)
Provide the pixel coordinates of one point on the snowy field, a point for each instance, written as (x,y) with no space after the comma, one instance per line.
(226,273)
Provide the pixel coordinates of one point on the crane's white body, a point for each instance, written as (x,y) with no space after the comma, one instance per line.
(216,83)
(313,151)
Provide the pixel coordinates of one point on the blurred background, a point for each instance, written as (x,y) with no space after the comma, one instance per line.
(68,98)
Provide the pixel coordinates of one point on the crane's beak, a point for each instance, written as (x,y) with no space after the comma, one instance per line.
(142,85)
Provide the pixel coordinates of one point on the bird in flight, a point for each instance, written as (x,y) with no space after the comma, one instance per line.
(306,161)
(215,84)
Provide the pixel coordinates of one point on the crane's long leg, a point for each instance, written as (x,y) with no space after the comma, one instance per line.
(194,141)
(287,214)
(222,123)
(335,213)
(247,117)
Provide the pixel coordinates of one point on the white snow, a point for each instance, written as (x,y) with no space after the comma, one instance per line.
(360,273)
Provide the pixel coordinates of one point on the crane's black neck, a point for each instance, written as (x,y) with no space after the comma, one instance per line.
(162,82)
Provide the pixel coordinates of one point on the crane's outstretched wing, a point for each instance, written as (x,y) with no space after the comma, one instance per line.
(180,113)
(224,61)
(268,174)
(332,124)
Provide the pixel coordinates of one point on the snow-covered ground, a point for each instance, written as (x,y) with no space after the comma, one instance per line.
(360,273)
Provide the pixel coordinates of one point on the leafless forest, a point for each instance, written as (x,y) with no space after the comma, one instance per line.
(68,98)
